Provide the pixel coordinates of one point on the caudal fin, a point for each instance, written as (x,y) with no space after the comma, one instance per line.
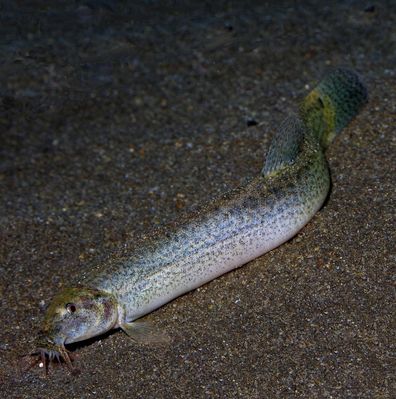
(331,105)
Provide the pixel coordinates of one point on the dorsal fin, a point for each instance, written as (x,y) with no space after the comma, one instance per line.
(285,145)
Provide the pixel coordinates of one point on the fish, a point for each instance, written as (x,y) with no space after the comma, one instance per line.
(223,235)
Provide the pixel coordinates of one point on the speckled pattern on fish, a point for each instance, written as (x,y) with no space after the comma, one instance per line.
(230,231)
(248,221)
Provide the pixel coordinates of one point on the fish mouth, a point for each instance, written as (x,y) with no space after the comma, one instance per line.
(50,351)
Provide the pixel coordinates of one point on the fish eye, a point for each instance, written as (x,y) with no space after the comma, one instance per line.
(71,307)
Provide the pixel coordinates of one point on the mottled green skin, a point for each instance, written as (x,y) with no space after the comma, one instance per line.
(239,226)
(332,104)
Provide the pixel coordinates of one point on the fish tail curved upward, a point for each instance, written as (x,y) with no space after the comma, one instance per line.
(331,105)
(323,113)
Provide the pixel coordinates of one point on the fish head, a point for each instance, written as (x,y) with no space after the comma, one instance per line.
(75,314)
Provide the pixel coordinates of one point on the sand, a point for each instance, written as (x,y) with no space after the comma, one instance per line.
(117,117)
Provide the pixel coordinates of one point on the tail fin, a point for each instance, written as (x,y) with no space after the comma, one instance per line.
(331,105)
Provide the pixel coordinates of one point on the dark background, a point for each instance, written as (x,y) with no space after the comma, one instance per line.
(118,116)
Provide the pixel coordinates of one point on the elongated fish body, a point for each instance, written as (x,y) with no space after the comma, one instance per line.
(236,228)
(248,221)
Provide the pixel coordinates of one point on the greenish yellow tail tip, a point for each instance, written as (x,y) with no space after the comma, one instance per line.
(331,105)
(346,92)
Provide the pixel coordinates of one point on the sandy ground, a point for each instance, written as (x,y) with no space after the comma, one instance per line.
(117,117)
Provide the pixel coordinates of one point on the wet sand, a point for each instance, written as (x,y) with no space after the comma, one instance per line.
(118,118)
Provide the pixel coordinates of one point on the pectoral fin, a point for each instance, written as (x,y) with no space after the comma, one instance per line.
(145,333)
